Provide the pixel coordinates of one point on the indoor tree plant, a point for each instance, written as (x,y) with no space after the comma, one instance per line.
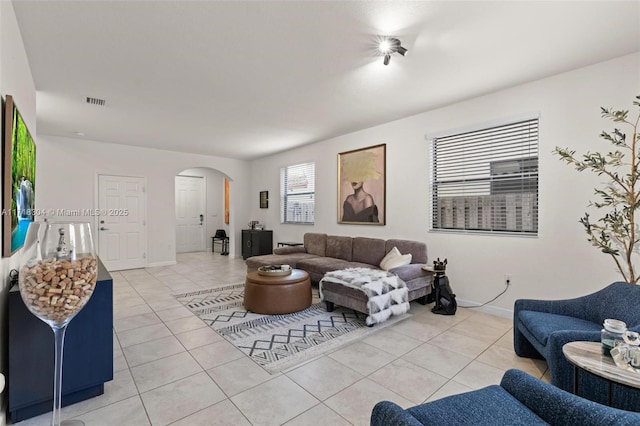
(617,233)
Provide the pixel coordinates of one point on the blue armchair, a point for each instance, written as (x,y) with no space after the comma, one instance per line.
(542,327)
(519,400)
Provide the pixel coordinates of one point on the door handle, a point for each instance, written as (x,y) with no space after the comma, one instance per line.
(102,228)
(201,219)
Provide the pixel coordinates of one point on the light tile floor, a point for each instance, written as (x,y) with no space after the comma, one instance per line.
(171,369)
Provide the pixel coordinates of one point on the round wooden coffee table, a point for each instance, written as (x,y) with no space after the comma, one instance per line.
(277,294)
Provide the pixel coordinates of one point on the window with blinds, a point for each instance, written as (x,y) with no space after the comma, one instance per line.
(487,180)
(297,193)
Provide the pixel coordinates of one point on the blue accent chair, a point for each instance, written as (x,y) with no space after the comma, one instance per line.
(542,327)
(520,399)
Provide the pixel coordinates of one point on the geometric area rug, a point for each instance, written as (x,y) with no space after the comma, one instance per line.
(278,342)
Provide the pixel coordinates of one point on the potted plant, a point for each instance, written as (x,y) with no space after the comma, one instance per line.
(617,233)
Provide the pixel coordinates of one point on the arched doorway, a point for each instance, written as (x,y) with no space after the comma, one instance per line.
(201,205)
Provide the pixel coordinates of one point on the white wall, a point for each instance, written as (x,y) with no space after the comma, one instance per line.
(71,167)
(558,263)
(15,80)
(66,172)
(214,205)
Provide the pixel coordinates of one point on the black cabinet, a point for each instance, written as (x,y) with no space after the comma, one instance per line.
(87,359)
(255,243)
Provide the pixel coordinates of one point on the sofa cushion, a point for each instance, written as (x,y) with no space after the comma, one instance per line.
(339,247)
(338,291)
(393,253)
(488,406)
(292,259)
(395,259)
(541,324)
(368,250)
(315,243)
(289,250)
(417,249)
(360,265)
(322,265)
(411,272)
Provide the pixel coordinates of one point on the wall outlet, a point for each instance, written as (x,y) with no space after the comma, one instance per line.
(507,279)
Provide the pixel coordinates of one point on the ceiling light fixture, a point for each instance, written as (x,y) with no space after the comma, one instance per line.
(389,45)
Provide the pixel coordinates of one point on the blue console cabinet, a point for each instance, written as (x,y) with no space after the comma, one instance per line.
(88,353)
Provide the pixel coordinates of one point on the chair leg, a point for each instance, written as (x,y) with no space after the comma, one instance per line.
(330,306)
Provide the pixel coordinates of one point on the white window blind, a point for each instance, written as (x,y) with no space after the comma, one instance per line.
(487,180)
(297,193)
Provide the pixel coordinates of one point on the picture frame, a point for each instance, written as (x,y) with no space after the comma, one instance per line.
(362,186)
(226,201)
(19,178)
(264,199)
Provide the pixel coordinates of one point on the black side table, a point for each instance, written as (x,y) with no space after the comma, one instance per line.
(224,249)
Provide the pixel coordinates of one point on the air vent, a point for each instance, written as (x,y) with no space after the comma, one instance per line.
(96,101)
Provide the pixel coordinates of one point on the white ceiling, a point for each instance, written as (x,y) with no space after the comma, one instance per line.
(248,79)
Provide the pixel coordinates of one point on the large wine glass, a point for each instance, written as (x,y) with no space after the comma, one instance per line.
(57,277)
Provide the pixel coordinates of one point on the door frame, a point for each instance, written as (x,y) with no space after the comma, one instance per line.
(96,203)
(204,208)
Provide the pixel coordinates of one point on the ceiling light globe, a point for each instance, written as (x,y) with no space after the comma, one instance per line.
(384,46)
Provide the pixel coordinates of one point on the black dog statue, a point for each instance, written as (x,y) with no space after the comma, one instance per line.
(441,292)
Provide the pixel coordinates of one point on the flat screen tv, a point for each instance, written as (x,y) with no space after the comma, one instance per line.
(19,179)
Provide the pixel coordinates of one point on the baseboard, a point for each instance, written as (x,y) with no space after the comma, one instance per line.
(487,309)
(165,263)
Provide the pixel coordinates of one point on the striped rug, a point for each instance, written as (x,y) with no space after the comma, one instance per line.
(277,342)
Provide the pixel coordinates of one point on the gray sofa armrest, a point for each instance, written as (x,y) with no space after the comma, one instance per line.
(411,272)
(289,250)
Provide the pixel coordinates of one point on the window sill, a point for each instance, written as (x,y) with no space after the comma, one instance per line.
(486,233)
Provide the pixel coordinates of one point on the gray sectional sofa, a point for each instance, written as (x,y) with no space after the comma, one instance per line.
(322,253)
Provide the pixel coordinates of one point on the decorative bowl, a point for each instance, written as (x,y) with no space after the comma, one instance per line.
(274,270)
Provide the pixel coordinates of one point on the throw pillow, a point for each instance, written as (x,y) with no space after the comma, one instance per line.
(404,259)
(393,259)
(394,252)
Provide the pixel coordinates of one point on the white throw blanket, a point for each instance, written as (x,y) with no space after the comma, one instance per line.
(388,295)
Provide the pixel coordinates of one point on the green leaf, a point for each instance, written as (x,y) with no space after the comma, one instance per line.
(617,230)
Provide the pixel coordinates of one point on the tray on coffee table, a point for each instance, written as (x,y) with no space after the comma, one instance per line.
(275,270)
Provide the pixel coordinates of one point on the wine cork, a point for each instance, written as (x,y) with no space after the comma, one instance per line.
(57,289)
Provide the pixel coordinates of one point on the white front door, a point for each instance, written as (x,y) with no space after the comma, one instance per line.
(189,214)
(121,222)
